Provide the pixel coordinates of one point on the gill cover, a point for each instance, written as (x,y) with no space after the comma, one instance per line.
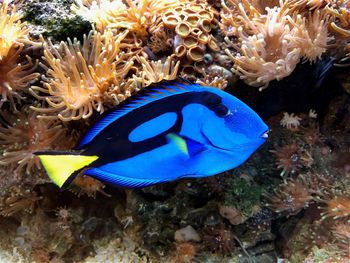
(61,167)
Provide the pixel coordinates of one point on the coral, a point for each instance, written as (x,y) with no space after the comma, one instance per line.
(15,75)
(19,200)
(26,135)
(156,71)
(291,158)
(270,45)
(83,78)
(316,36)
(191,23)
(337,207)
(290,197)
(12,30)
(269,48)
(219,240)
(342,14)
(87,185)
(135,16)
(185,253)
(310,4)
(98,11)
(290,121)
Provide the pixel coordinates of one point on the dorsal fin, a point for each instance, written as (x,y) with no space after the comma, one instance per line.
(154,92)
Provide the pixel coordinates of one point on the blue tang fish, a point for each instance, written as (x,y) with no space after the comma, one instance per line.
(168,131)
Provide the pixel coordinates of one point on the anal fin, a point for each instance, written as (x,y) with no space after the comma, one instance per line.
(120,180)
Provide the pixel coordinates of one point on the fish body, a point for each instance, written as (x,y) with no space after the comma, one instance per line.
(166,132)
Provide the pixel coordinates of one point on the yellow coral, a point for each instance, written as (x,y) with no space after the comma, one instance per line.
(83,78)
(15,76)
(12,30)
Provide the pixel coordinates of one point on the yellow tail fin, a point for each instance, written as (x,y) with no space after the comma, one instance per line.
(60,167)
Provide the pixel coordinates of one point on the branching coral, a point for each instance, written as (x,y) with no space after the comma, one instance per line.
(14,76)
(27,135)
(83,78)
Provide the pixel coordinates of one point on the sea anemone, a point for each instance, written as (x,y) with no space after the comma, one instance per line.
(268,48)
(12,30)
(156,71)
(83,78)
(97,11)
(290,197)
(15,76)
(26,135)
(135,16)
(310,4)
(315,36)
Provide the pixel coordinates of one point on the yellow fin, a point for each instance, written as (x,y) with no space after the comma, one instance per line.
(60,167)
(179,141)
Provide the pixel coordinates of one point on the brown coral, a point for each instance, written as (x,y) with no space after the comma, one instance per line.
(291,158)
(83,78)
(290,197)
(27,135)
(337,207)
(87,185)
(15,76)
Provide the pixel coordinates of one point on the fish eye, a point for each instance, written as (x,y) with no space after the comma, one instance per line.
(221,110)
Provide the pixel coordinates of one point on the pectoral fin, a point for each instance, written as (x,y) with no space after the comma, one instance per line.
(186,145)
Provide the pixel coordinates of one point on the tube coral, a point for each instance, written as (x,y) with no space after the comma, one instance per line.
(15,76)
(83,78)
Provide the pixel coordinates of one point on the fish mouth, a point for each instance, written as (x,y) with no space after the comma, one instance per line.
(265,135)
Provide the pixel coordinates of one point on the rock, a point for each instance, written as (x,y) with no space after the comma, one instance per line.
(186,234)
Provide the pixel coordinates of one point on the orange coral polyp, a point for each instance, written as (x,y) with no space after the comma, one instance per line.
(82,78)
(12,30)
(26,136)
(15,76)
